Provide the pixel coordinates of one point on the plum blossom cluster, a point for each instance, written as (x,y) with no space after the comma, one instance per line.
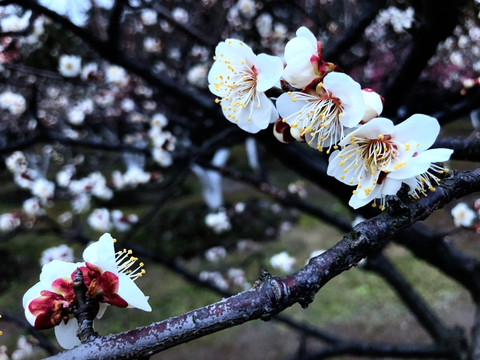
(234,278)
(109,277)
(104,220)
(328,110)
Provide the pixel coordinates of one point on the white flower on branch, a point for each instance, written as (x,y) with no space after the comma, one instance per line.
(322,113)
(378,156)
(109,277)
(240,78)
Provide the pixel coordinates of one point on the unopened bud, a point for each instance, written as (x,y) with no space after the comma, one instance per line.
(373,104)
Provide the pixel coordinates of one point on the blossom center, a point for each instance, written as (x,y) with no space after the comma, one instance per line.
(319,118)
(238,88)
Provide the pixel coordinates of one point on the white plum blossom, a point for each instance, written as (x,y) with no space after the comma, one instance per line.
(70,65)
(123,265)
(303,55)
(122,222)
(100,220)
(264,24)
(162,157)
(237,278)
(378,156)
(148,17)
(116,75)
(26,350)
(218,222)
(89,70)
(240,78)
(247,8)
(43,189)
(152,45)
(64,176)
(80,203)
(14,103)
(109,277)
(180,15)
(215,278)
(76,115)
(463,215)
(31,207)
(9,221)
(75,10)
(13,23)
(215,254)
(197,75)
(16,162)
(283,261)
(320,115)
(62,252)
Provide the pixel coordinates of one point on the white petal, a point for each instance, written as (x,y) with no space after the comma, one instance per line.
(415,166)
(422,128)
(436,155)
(306,33)
(29,316)
(299,45)
(372,129)
(349,92)
(101,310)
(66,334)
(391,186)
(269,71)
(32,293)
(54,270)
(130,292)
(102,253)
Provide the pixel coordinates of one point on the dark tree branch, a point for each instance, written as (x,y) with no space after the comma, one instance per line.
(427,318)
(350,36)
(475,343)
(110,52)
(438,19)
(464,149)
(84,308)
(277,293)
(424,243)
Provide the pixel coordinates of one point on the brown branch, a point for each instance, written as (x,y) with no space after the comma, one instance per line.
(84,306)
(275,294)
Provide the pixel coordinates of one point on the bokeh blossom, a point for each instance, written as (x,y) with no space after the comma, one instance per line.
(463,215)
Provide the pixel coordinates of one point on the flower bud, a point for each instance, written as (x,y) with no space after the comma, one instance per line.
(373,104)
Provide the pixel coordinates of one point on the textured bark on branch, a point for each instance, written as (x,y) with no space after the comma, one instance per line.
(274,294)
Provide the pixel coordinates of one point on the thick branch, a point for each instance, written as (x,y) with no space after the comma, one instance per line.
(276,293)
(464,149)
